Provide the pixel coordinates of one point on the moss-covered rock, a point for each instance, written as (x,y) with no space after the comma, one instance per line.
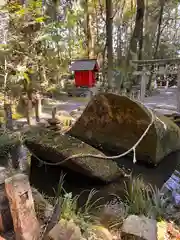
(53,147)
(116,123)
(8,142)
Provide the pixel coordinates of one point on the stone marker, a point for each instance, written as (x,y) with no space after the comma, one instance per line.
(6,222)
(140,228)
(19,193)
(65,230)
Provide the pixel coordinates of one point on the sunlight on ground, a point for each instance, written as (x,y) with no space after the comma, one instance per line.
(79,99)
(2,2)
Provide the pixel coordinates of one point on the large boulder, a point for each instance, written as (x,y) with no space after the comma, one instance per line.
(54,147)
(115,123)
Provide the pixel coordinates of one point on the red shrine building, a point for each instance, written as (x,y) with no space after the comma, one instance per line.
(85,72)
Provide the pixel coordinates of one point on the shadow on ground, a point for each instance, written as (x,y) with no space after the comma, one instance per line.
(46,178)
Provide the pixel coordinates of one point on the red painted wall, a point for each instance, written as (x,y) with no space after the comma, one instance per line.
(84,78)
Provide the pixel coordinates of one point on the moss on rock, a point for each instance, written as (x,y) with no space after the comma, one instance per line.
(51,146)
(8,142)
(116,123)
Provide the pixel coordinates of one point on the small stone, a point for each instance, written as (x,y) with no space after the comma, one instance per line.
(43,123)
(1,238)
(76,116)
(116,235)
(161,230)
(73,112)
(81,108)
(63,113)
(65,230)
(141,228)
(102,233)
(173,232)
(53,122)
(19,193)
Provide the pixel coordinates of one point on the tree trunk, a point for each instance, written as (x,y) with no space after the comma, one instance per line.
(51,10)
(150,22)
(28,100)
(137,37)
(69,43)
(162,3)
(70,31)
(8,116)
(84,5)
(119,46)
(28,112)
(54,111)
(38,108)
(92,37)
(119,37)
(109,30)
(155,55)
(141,26)
(90,30)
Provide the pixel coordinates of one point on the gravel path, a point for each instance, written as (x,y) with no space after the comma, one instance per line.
(165,102)
(46,111)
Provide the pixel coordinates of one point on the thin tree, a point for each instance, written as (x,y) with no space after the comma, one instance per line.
(109,30)
(155,55)
(136,41)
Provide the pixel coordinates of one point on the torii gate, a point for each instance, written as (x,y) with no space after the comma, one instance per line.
(160,67)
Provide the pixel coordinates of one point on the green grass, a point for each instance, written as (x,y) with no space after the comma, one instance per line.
(16,116)
(143,199)
(83,216)
(140,199)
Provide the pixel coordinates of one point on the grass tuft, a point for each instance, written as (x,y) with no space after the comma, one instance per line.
(143,199)
(82,216)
